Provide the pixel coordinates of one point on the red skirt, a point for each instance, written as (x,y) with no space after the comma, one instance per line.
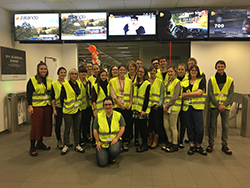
(41,122)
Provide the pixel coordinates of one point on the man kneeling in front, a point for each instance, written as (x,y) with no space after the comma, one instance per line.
(108,128)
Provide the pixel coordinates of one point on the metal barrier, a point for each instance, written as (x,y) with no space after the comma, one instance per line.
(16,106)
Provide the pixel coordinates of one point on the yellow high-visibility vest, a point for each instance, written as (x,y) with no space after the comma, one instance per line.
(171,88)
(125,98)
(221,95)
(198,103)
(127,76)
(40,96)
(104,131)
(72,104)
(155,91)
(100,97)
(165,81)
(139,97)
(57,88)
(84,95)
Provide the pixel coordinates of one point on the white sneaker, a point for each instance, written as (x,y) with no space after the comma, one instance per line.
(79,149)
(64,150)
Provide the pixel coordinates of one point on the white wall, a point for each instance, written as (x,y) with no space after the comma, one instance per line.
(235,54)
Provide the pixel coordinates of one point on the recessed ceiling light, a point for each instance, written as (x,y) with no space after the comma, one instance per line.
(125,52)
(122,48)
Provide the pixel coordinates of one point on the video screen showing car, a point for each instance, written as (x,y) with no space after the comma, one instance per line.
(84,26)
(182,24)
(133,24)
(227,23)
(36,27)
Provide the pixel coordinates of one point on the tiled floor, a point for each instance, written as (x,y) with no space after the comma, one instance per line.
(154,168)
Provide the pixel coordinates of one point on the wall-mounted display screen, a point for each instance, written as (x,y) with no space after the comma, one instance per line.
(182,24)
(37,27)
(225,23)
(121,24)
(84,26)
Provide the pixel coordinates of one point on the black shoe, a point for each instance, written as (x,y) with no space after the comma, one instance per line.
(142,148)
(186,141)
(181,145)
(136,143)
(191,150)
(226,150)
(209,148)
(172,148)
(201,150)
(33,152)
(82,144)
(125,146)
(164,148)
(42,146)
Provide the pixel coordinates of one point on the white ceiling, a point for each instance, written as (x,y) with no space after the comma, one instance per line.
(107,5)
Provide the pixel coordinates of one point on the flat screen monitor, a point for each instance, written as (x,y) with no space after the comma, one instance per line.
(226,23)
(182,24)
(84,26)
(37,27)
(132,25)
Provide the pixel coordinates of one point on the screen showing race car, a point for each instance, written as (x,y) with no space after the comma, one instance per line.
(84,26)
(182,24)
(37,27)
(132,23)
(226,23)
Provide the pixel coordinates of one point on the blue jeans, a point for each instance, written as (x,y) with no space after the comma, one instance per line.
(103,156)
(194,120)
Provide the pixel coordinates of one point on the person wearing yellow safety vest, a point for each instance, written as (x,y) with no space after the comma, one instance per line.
(141,106)
(156,63)
(181,124)
(121,92)
(194,97)
(39,108)
(131,68)
(71,100)
(220,93)
(108,128)
(85,124)
(156,100)
(113,72)
(91,78)
(163,68)
(99,92)
(192,61)
(171,108)
(56,104)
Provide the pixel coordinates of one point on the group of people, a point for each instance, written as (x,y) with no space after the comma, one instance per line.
(126,103)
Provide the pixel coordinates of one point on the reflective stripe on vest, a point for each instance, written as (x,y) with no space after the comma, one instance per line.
(57,89)
(171,88)
(100,97)
(72,104)
(155,90)
(39,96)
(221,95)
(126,90)
(104,131)
(84,95)
(139,97)
(198,103)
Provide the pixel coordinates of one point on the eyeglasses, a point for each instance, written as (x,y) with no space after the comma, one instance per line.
(108,104)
